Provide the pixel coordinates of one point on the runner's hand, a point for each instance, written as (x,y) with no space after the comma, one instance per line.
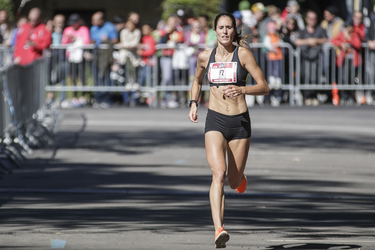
(232,91)
(193,114)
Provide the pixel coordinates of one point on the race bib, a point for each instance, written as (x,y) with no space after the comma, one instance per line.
(225,72)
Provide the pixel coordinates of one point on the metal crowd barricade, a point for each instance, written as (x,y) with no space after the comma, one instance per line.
(176,66)
(126,79)
(297,73)
(26,120)
(324,73)
(368,68)
(8,158)
(80,73)
(181,85)
(287,66)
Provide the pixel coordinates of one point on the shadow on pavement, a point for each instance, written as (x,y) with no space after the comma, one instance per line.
(313,247)
(60,207)
(95,196)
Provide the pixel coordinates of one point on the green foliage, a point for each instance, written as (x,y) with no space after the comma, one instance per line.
(9,7)
(198,7)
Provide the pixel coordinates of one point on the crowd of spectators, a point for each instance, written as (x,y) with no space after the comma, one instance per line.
(268,25)
(272,27)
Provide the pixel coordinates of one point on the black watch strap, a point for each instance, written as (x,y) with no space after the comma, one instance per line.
(191,101)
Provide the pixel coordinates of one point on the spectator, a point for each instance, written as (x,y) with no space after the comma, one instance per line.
(49,26)
(310,41)
(130,38)
(21,21)
(332,23)
(193,39)
(76,36)
(58,28)
(190,18)
(360,29)
(75,31)
(238,17)
(290,32)
(272,43)
(348,7)
(259,31)
(156,34)
(134,17)
(102,32)
(347,36)
(32,39)
(358,24)
(146,50)
(210,37)
(184,18)
(293,12)
(171,36)
(242,28)
(117,72)
(274,14)
(181,21)
(119,22)
(247,16)
(6,31)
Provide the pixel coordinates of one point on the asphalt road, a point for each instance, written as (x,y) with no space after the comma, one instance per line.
(138,179)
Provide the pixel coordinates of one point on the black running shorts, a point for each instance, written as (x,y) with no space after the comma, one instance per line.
(232,127)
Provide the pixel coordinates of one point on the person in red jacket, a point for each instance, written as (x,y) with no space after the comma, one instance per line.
(146,50)
(32,39)
(350,37)
(345,37)
(358,25)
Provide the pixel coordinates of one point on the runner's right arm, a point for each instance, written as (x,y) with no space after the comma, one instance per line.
(197,83)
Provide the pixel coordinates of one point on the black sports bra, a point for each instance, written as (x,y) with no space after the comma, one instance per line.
(239,79)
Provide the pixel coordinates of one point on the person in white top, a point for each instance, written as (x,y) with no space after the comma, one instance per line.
(130,38)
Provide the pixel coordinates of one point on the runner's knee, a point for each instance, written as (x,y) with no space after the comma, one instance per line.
(219,177)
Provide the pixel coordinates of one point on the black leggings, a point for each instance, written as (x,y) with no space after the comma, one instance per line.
(232,127)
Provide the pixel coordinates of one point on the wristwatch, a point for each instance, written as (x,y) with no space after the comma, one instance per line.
(191,101)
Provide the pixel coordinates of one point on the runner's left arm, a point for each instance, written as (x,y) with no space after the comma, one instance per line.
(248,62)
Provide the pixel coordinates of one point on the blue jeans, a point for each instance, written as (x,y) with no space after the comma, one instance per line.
(102,81)
(274,68)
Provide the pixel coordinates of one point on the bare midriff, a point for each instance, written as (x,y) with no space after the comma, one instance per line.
(225,105)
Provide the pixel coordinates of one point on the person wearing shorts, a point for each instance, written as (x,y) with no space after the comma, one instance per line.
(227,130)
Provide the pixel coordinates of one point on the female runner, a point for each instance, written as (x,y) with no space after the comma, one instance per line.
(227,129)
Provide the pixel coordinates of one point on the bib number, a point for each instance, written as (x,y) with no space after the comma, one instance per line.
(223,72)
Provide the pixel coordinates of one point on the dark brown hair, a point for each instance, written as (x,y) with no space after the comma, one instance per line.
(238,39)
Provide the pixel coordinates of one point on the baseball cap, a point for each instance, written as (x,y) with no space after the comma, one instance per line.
(73,19)
(244,5)
(237,14)
(258,7)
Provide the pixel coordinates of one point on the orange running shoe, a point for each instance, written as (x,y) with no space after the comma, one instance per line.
(221,238)
(242,187)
